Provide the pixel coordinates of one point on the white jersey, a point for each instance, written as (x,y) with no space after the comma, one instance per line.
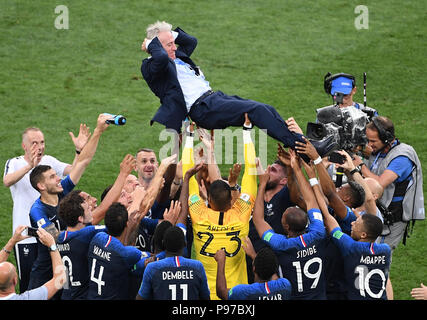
(23,194)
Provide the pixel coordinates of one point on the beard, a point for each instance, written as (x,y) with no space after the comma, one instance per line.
(270,185)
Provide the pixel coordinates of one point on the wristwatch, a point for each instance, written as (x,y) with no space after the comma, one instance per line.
(236,187)
(53,247)
(356,169)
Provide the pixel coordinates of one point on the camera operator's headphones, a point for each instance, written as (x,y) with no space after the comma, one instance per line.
(329,77)
(386,136)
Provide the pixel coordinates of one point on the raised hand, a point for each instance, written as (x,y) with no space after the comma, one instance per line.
(128,164)
(82,138)
(283,155)
(35,155)
(172,213)
(265,177)
(307,148)
(248,122)
(234,173)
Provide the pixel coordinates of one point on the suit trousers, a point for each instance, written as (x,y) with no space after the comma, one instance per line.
(219,111)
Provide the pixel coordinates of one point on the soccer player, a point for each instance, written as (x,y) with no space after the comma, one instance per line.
(276,200)
(154,178)
(341,203)
(301,252)
(221,225)
(110,260)
(267,286)
(77,212)
(174,277)
(366,263)
(43,212)
(73,244)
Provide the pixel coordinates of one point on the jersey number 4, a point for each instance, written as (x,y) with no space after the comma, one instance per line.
(97,280)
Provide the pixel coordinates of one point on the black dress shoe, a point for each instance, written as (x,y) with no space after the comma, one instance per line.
(325,146)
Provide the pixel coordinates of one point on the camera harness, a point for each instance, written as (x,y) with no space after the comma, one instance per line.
(387,137)
(394,212)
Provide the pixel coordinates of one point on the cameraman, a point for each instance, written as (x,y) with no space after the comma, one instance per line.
(346,120)
(396,167)
(342,87)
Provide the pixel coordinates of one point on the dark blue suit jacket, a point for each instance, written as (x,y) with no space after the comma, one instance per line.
(216,111)
(159,71)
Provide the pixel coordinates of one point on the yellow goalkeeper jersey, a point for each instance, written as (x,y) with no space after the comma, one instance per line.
(213,230)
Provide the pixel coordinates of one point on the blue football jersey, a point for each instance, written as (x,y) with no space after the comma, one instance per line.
(42,215)
(110,265)
(336,288)
(175,278)
(366,266)
(279,289)
(73,247)
(273,211)
(302,258)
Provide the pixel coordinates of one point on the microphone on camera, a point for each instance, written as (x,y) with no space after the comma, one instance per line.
(118,119)
(364,89)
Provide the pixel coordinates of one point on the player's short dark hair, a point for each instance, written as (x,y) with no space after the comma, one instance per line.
(373,225)
(148,150)
(37,175)
(158,235)
(116,219)
(296,218)
(220,193)
(174,240)
(357,194)
(70,208)
(266,263)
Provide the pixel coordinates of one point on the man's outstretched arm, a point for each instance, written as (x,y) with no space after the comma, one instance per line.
(188,160)
(249,179)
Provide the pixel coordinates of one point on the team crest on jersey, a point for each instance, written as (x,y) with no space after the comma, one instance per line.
(194,198)
(245,197)
(41,222)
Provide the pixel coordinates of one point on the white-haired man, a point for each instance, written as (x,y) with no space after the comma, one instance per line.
(184,91)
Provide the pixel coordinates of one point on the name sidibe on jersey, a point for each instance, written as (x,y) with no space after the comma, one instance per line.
(306,252)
